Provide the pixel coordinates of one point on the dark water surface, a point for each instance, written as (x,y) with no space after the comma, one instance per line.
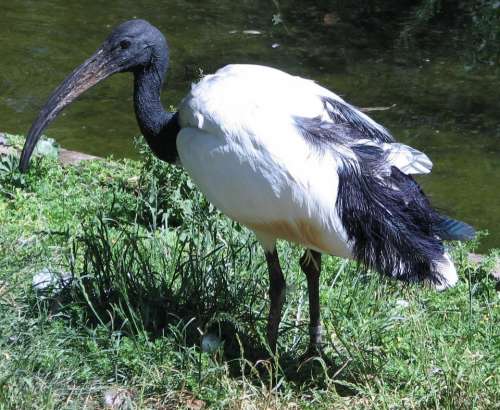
(442,106)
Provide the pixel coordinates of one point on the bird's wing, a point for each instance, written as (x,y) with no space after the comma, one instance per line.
(350,140)
(275,110)
(383,156)
(342,113)
(246,93)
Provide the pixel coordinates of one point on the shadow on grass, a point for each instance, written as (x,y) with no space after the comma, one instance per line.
(206,278)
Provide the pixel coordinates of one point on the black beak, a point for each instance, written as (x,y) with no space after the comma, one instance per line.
(95,69)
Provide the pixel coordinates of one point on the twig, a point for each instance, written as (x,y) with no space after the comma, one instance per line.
(368,109)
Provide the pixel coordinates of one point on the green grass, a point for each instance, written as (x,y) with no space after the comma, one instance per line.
(153,267)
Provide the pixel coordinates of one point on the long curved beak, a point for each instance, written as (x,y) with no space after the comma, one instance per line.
(95,69)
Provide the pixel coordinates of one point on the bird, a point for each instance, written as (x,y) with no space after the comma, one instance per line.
(286,158)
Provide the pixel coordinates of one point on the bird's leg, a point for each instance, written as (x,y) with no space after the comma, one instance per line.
(277,296)
(310,263)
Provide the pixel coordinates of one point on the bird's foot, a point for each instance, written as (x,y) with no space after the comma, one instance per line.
(315,348)
(314,351)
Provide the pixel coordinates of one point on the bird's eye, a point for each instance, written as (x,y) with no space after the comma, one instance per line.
(124,44)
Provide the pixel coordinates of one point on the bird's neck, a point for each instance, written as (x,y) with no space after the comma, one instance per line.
(158,126)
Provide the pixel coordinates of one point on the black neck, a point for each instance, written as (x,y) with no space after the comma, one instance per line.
(158,126)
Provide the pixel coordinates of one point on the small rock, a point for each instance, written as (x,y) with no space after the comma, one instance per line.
(117,398)
(46,278)
(47,147)
(22,241)
(402,303)
(7,150)
(13,339)
(43,279)
(195,404)
(476,259)
(210,343)
(67,157)
(496,271)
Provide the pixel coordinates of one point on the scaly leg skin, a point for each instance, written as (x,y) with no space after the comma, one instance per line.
(277,295)
(310,263)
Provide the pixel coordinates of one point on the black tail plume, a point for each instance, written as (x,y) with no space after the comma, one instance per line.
(453,230)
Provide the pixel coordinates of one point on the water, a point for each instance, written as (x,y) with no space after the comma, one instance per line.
(441,106)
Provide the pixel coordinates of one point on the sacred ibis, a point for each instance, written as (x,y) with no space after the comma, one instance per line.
(285,157)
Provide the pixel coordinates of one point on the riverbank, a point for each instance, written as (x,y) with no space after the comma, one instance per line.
(112,273)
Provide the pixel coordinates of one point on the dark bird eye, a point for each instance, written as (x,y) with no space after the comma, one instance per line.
(124,44)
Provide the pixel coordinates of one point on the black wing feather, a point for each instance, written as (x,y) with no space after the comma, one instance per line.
(343,113)
(388,219)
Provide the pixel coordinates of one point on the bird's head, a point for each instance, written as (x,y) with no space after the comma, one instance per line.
(133,46)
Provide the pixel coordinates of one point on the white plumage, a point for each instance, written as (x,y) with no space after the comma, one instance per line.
(241,146)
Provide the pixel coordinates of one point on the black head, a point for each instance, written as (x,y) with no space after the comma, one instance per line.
(133,46)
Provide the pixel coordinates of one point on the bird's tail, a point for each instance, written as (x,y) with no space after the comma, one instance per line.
(444,273)
(452,230)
